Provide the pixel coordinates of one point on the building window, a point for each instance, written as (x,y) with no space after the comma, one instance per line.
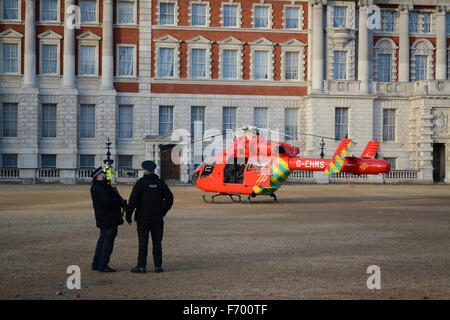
(260,117)
(87,161)
(9,161)
(166,13)
(426,23)
(126,61)
(392,161)
(199,15)
(10,120)
(49,120)
(291,65)
(88,60)
(447,22)
(10,9)
(413,22)
(261,17)
(88,11)
(229,64)
(49,59)
(291,124)
(125,162)
(228,118)
(388,21)
(197,121)
(125,11)
(384,67)
(49,10)
(340,65)
(421,67)
(198,63)
(389,125)
(125,121)
(48,161)
(165,119)
(261,66)
(230,15)
(339,17)
(87,121)
(166,62)
(10,58)
(341,123)
(292,18)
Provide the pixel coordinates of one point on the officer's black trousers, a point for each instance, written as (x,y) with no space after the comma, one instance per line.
(156,230)
(104,249)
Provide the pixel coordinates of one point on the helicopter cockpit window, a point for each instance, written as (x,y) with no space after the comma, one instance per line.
(208,169)
(258,165)
(234,170)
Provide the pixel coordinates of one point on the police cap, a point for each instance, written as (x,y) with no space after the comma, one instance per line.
(148,165)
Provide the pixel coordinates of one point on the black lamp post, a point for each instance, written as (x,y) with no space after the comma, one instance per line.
(108,161)
(322,146)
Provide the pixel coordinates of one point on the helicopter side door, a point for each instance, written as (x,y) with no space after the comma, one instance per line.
(257,173)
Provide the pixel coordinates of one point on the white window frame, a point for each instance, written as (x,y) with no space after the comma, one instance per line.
(54,121)
(350,15)
(238,18)
(134,13)
(293,45)
(385,46)
(79,120)
(395,125)
(50,38)
(264,109)
(58,13)
(11,36)
(88,39)
(97,7)
(269,14)
(207,13)
(262,45)
(118,60)
(19,12)
(199,42)
(231,43)
(422,47)
(300,16)
(175,13)
(119,121)
(168,42)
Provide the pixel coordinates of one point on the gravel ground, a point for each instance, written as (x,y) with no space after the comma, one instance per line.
(317,243)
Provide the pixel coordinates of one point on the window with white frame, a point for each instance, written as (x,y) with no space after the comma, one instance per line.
(292,62)
(87,121)
(87,161)
(199,58)
(230,15)
(49,10)
(261,16)
(166,62)
(125,122)
(388,21)
(340,65)
(126,12)
(413,22)
(88,64)
(261,65)
(165,119)
(167,57)
(125,162)
(260,117)
(88,11)
(341,123)
(228,118)
(421,67)
(49,58)
(291,124)
(426,23)
(126,58)
(10,9)
(292,18)
(197,121)
(339,17)
(229,64)
(166,13)
(291,65)
(10,58)
(48,120)
(10,120)
(9,160)
(199,14)
(48,161)
(389,124)
(392,161)
(198,63)
(384,67)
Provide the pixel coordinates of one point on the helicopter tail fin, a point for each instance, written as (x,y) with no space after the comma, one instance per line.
(371,150)
(339,156)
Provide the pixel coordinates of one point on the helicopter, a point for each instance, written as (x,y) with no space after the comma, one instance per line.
(253,166)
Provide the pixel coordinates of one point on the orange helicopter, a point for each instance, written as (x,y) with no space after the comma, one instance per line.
(254,166)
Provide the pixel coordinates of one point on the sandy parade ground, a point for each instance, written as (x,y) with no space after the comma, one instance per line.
(317,243)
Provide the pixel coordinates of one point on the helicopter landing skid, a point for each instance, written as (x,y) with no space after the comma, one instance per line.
(224,194)
(253,195)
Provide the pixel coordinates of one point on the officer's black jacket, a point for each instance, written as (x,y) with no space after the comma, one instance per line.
(107,205)
(152,199)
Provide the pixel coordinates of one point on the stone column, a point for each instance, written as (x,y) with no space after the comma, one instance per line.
(317,47)
(404,43)
(69,49)
(441,56)
(363,49)
(29,79)
(108,46)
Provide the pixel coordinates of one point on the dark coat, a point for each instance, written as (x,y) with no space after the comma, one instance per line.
(107,205)
(152,199)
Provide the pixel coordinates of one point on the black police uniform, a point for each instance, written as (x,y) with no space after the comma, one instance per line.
(107,207)
(152,199)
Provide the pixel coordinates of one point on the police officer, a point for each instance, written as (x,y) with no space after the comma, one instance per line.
(107,207)
(152,199)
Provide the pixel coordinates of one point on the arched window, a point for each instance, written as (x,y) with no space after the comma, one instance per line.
(422,62)
(385,60)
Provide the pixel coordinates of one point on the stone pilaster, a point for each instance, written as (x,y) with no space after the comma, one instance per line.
(29,79)
(108,46)
(69,49)
(363,48)
(317,49)
(404,43)
(441,51)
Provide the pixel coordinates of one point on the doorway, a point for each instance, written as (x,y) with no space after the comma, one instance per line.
(169,170)
(438,162)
